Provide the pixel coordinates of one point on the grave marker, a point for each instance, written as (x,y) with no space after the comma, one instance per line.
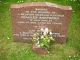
(27,18)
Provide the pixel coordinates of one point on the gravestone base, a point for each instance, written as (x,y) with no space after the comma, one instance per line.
(39,50)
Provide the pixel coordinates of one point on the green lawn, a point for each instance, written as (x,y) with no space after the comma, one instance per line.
(10,50)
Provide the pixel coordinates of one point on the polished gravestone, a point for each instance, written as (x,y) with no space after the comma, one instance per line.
(27,18)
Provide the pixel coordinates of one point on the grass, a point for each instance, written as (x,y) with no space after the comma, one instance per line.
(22,51)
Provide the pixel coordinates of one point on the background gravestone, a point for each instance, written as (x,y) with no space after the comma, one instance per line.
(28,18)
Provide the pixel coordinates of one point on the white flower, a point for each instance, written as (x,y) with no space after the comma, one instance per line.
(50,33)
(42,29)
(46,30)
(37,44)
(42,36)
(44,33)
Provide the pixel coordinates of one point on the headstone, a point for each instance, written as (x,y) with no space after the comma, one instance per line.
(27,18)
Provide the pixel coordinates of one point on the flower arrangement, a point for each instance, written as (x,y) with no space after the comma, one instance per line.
(43,38)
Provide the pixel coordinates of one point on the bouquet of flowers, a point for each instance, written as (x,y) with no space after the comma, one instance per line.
(43,38)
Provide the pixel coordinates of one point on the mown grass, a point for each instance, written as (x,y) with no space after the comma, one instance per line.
(10,50)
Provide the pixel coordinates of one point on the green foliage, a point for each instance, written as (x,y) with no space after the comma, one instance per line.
(43,39)
(22,51)
(74,3)
(45,42)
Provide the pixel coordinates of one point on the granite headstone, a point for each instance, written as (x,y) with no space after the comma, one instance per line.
(27,18)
